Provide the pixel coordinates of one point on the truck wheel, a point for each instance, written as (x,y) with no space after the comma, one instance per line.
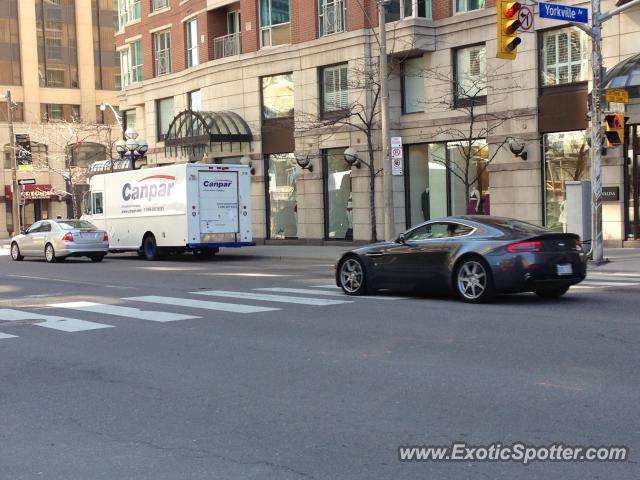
(150,248)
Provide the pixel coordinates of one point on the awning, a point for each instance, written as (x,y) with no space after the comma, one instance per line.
(32,192)
(191,132)
(625,75)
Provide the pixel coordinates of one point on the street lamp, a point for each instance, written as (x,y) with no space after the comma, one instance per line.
(136,148)
(103,107)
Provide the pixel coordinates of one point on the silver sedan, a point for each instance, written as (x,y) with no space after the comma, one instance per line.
(58,239)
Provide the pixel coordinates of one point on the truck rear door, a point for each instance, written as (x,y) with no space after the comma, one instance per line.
(218,196)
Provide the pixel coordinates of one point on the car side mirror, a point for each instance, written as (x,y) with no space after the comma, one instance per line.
(24,232)
(401,238)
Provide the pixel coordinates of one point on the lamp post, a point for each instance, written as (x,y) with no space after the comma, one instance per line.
(136,148)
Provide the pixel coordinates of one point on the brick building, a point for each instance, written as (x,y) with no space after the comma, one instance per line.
(271,82)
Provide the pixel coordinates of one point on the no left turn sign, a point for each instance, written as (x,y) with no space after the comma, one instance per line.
(526,19)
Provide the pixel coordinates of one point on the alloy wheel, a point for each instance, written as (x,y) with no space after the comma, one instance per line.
(15,252)
(49,253)
(351,275)
(472,280)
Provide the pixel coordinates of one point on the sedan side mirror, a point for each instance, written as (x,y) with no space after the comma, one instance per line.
(24,232)
(401,238)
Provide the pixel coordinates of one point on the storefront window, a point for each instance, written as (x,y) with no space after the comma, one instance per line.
(469,178)
(427,182)
(283,207)
(566,158)
(339,209)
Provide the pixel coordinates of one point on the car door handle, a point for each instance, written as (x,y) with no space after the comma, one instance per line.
(377,254)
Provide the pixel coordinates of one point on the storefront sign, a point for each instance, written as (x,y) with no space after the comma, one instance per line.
(396,156)
(24,159)
(616,95)
(610,194)
(32,192)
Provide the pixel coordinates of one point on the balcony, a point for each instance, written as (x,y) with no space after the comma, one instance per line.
(333,17)
(227,46)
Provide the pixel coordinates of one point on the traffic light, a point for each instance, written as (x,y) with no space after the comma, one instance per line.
(508,24)
(614,129)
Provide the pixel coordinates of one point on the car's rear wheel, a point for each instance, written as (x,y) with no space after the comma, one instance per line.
(50,254)
(472,281)
(353,276)
(551,292)
(150,248)
(15,252)
(96,258)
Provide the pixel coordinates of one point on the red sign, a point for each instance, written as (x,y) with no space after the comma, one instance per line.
(32,192)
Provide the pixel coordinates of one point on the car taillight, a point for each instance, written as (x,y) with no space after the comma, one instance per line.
(578,245)
(535,246)
(68,237)
(105,237)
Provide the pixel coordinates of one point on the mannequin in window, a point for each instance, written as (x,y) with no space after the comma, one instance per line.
(426,205)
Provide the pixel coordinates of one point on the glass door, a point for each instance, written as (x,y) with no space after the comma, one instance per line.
(632,182)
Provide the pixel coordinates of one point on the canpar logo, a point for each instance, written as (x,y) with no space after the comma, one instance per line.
(218,183)
(159,187)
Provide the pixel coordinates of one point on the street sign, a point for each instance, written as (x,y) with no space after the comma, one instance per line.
(616,95)
(565,13)
(27,181)
(526,19)
(396,156)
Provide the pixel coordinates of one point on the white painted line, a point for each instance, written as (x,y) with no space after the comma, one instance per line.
(614,274)
(222,274)
(319,302)
(186,302)
(610,284)
(326,292)
(6,335)
(325,286)
(57,323)
(120,311)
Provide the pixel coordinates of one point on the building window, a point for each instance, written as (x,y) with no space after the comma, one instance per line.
(471,73)
(192,43)
(281,190)
(57,48)
(413,97)
(165,114)
(9,44)
(462,6)
(84,154)
(162,53)
(338,198)
(18,112)
(442,179)
(275,27)
(399,9)
(566,158)
(277,96)
(332,16)
(106,59)
(131,67)
(564,57)
(335,89)
(159,4)
(195,100)
(128,11)
(129,117)
(57,112)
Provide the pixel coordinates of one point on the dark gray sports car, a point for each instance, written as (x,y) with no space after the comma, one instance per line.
(475,256)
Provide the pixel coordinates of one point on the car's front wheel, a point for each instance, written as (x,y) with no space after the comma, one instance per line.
(15,252)
(353,276)
(555,292)
(472,281)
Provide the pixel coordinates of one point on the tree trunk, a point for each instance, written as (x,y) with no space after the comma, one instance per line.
(372,193)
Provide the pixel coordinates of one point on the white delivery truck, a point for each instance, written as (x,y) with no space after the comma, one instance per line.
(188,207)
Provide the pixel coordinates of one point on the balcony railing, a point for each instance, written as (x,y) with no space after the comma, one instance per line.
(227,46)
(163,62)
(333,17)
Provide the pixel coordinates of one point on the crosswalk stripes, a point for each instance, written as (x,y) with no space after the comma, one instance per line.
(63,324)
(202,304)
(6,335)
(120,311)
(333,293)
(271,298)
(4,250)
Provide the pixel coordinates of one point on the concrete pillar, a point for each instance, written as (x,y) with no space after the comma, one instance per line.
(86,64)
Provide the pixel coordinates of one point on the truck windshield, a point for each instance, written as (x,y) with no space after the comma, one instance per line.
(71,224)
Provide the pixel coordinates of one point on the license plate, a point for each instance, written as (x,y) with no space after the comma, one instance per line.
(566,269)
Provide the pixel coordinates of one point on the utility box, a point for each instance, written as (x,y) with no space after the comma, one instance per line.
(578,209)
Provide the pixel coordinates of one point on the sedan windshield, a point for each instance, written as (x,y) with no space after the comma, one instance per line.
(71,224)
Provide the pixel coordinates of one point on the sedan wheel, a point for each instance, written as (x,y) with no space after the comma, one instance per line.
(49,253)
(15,252)
(353,277)
(473,281)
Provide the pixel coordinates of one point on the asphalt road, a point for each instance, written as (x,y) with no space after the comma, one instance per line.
(317,389)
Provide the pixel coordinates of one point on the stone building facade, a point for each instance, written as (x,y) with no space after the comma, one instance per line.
(293,69)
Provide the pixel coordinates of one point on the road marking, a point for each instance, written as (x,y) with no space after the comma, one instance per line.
(319,302)
(186,302)
(325,286)
(326,292)
(609,284)
(120,311)
(6,335)
(5,250)
(222,274)
(63,324)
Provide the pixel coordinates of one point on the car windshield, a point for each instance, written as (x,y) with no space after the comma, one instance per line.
(516,225)
(71,224)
